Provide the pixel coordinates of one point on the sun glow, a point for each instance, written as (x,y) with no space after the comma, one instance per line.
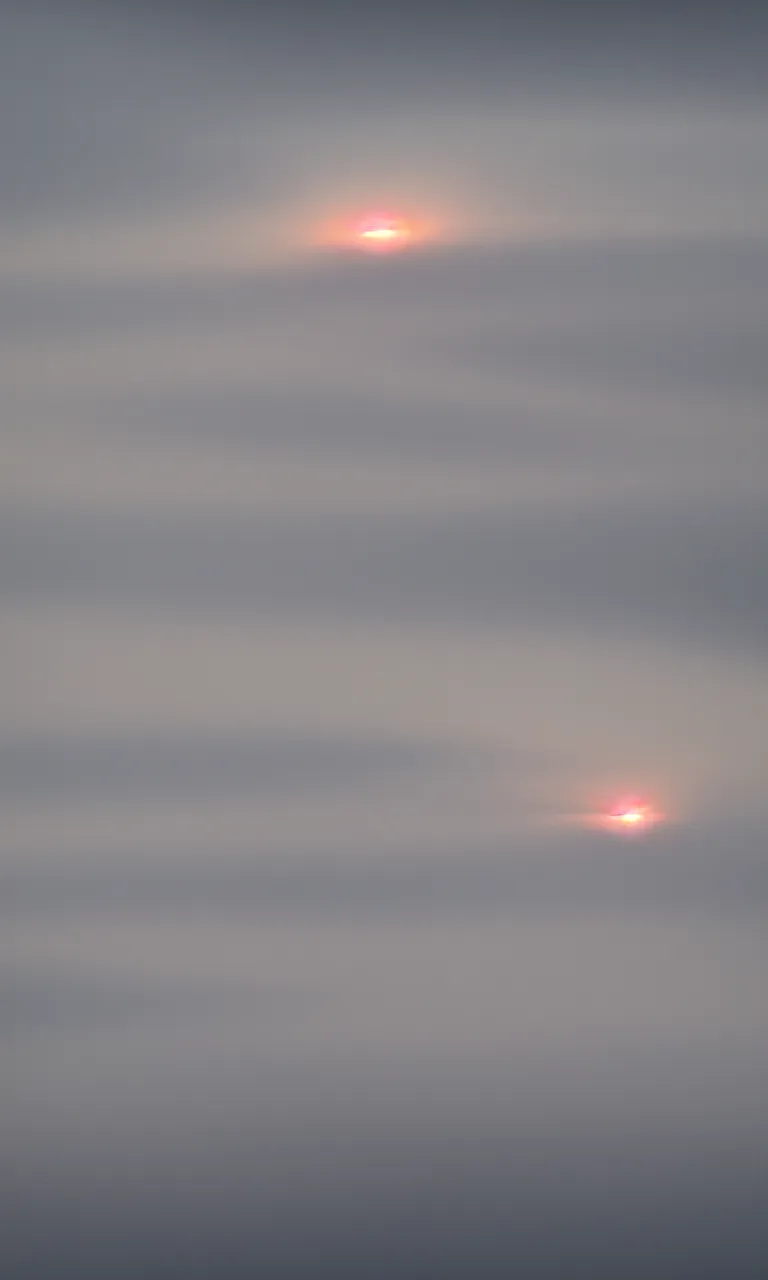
(625,817)
(379,231)
(382,232)
(632,816)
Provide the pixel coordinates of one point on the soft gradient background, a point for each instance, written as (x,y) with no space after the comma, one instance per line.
(337,590)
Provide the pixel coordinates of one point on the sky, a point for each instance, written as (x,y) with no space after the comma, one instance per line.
(344,596)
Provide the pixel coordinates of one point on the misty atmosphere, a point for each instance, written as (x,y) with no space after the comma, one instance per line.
(384,864)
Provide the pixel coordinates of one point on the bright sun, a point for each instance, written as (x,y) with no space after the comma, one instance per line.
(379,231)
(627,816)
(383,233)
(633,816)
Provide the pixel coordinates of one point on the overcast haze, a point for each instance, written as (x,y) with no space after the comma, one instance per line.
(340,591)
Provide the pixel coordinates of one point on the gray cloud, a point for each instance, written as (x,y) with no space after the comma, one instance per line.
(122,767)
(480,1206)
(635,362)
(717,870)
(101,119)
(693,571)
(49,1003)
(115,112)
(435,41)
(340,591)
(397,1229)
(642,284)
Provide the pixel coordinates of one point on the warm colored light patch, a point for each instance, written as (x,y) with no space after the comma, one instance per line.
(379,231)
(628,816)
(382,233)
(633,816)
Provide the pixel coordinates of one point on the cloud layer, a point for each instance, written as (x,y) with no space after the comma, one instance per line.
(340,595)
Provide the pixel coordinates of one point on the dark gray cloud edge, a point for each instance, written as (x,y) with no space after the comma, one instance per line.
(316,42)
(411,1199)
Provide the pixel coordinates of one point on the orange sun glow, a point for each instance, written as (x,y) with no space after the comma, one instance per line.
(375,232)
(383,233)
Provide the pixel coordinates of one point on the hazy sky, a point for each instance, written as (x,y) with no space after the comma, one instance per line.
(338,591)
